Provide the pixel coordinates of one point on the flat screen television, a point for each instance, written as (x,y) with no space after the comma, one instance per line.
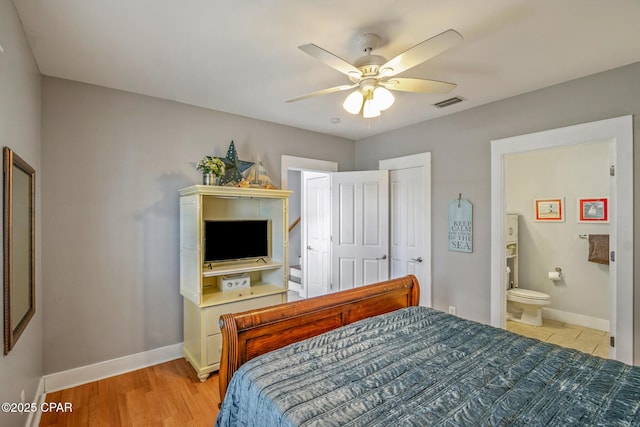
(236,239)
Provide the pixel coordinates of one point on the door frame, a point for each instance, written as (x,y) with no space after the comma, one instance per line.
(411,161)
(288,163)
(619,132)
(302,163)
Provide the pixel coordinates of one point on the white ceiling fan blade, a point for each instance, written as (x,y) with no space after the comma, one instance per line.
(421,52)
(418,85)
(330,59)
(323,92)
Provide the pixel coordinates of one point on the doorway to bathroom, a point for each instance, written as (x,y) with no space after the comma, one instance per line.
(552,256)
(617,134)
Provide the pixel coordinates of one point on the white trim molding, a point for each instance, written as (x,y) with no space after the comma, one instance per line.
(109,368)
(302,163)
(34,417)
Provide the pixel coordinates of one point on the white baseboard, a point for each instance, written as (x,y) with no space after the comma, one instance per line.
(34,417)
(575,319)
(109,368)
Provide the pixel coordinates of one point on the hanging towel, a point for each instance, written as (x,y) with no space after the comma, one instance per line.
(599,248)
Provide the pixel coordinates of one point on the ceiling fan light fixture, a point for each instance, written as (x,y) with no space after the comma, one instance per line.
(353,102)
(370,72)
(383,98)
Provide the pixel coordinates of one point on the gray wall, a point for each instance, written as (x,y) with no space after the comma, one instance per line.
(20,130)
(460,147)
(113,163)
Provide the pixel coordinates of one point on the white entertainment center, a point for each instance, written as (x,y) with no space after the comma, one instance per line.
(210,289)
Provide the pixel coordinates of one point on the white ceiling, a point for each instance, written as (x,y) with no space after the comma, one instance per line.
(241,56)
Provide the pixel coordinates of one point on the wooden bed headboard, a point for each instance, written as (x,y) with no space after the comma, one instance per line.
(255,332)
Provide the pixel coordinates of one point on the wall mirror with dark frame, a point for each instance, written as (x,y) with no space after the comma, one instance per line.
(19,242)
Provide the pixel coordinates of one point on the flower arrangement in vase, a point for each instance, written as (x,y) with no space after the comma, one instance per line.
(212,168)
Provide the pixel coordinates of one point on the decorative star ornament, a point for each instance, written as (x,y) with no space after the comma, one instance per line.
(233,167)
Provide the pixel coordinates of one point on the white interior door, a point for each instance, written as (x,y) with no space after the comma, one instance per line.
(316,233)
(406,225)
(410,211)
(360,228)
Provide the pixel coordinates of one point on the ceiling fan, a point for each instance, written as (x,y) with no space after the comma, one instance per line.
(373,75)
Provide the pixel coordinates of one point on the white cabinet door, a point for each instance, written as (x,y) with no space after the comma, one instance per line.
(190,259)
(360,228)
(511,233)
(316,233)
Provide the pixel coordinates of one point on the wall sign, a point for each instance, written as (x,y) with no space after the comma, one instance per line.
(461,225)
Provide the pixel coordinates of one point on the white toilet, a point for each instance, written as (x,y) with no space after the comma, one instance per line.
(530,302)
(523,305)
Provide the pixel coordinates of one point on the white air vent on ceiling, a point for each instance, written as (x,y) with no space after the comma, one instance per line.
(448,102)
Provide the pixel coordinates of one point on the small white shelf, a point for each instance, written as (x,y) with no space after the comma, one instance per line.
(214,296)
(239,267)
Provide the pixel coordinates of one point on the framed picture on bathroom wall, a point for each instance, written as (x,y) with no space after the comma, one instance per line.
(593,209)
(549,209)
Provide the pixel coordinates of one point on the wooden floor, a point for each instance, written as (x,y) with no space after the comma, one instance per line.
(169,394)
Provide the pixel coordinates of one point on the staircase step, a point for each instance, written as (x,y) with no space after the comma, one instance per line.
(295,271)
(296,287)
(295,279)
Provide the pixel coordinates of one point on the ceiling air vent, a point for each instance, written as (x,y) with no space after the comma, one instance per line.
(448,102)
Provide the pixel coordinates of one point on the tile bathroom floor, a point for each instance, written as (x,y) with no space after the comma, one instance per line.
(580,338)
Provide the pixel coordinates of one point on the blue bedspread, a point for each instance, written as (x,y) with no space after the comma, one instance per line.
(422,367)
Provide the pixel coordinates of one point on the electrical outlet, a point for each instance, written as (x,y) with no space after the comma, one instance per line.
(22,399)
(452,309)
